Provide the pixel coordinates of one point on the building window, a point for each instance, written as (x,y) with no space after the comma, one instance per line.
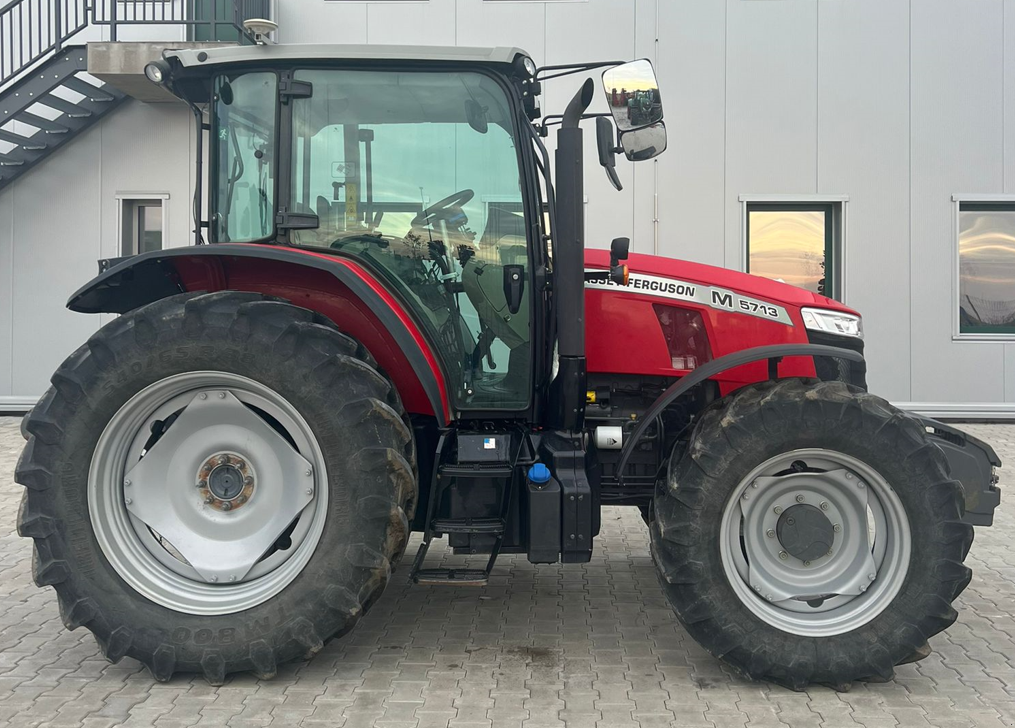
(797,243)
(986,238)
(142,223)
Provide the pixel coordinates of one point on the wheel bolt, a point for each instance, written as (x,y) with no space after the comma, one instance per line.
(310,491)
(872,577)
(836,528)
(227,506)
(849,476)
(240,464)
(128,501)
(829,552)
(202,484)
(127,483)
(222,395)
(209,500)
(242,499)
(757,588)
(754,484)
(859,485)
(203,395)
(807,563)
(799,499)
(863,587)
(214,578)
(309,472)
(770,533)
(768,597)
(783,555)
(824,505)
(745,496)
(232,578)
(248,480)
(777,510)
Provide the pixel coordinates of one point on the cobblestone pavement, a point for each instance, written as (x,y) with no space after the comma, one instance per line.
(578,646)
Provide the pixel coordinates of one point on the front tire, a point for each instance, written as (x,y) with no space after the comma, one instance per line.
(217,483)
(809,533)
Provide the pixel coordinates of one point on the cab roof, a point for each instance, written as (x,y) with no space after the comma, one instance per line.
(203,57)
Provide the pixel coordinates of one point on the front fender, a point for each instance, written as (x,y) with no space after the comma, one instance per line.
(336,287)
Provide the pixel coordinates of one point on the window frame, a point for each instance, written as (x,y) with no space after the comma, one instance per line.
(136,200)
(958,200)
(835,229)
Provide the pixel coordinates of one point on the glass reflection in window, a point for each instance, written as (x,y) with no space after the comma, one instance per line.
(987,268)
(792,245)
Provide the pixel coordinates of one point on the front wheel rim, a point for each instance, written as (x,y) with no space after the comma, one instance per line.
(804,592)
(237,478)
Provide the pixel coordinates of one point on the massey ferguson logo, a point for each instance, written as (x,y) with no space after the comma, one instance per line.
(717,298)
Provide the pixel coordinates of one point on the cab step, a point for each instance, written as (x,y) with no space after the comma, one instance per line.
(451,577)
(487,526)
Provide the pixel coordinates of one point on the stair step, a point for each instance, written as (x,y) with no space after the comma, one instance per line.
(39,122)
(89,91)
(451,577)
(490,526)
(470,470)
(25,142)
(9,160)
(68,107)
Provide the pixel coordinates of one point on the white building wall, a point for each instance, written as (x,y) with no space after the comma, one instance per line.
(892,105)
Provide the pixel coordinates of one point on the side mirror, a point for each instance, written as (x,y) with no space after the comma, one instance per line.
(642,144)
(633,95)
(607,150)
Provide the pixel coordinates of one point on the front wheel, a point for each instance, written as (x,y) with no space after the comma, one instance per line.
(217,483)
(809,533)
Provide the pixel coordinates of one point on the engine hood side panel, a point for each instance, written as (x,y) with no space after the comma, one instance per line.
(739,311)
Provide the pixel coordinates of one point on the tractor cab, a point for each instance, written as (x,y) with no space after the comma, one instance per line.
(429,173)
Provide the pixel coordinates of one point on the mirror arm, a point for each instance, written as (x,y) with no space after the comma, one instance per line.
(569,69)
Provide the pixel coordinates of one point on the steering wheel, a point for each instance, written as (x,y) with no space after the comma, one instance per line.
(441,210)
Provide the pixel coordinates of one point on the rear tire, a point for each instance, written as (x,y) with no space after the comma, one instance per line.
(710,537)
(287,367)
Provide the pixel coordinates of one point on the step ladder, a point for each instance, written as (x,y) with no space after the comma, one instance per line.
(47,108)
(445,475)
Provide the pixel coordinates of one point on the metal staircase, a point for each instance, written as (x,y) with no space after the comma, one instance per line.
(47,97)
(47,108)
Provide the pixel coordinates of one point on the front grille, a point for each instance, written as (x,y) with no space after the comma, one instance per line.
(835,369)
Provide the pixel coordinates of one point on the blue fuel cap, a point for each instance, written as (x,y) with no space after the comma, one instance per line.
(539,474)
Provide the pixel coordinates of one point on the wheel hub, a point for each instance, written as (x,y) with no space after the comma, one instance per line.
(805,532)
(226,481)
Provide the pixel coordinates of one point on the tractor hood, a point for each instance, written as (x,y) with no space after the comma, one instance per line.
(708,275)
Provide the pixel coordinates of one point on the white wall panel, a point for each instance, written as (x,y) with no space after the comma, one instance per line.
(431,22)
(141,147)
(318,21)
(1009,96)
(641,178)
(56,245)
(577,32)
(522,24)
(863,152)
(7,274)
(771,105)
(957,139)
(691,67)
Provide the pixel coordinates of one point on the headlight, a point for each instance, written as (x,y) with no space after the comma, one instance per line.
(156,72)
(832,322)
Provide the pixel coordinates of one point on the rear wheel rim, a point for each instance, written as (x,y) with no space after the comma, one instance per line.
(279,472)
(800,593)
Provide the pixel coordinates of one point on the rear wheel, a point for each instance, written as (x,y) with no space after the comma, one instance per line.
(217,483)
(809,533)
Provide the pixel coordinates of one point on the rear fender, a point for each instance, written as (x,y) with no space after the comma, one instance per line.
(338,288)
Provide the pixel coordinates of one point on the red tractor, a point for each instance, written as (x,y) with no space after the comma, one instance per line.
(384,333)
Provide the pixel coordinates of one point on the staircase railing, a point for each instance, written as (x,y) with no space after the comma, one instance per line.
(33,29)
